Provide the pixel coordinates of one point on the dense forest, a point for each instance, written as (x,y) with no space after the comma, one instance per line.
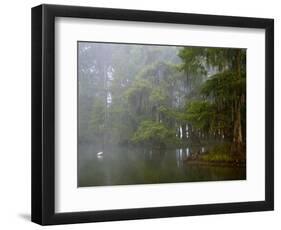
(163,97)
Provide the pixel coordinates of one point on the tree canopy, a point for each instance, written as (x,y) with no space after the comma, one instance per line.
(162,96)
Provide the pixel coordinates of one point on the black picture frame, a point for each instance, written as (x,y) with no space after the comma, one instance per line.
(43,114)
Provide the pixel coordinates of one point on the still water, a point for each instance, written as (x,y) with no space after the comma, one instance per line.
(123,166)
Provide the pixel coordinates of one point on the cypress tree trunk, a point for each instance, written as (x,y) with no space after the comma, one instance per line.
(183,128)
(237,143)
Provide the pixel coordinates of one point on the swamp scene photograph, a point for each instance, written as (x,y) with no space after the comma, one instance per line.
(150,114)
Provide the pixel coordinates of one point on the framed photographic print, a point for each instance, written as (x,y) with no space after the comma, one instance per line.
(142,114)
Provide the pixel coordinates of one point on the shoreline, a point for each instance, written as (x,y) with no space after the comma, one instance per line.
(238,164)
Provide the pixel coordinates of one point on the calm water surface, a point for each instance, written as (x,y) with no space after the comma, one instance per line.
(123,166)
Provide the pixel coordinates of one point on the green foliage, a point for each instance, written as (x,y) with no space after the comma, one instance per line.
(219,153)
(225,59)
(139,87)
(158,96)
(172,113)
(224,86)
(153,133)
(201,114)
(220,103)
(193,60)
(218,157)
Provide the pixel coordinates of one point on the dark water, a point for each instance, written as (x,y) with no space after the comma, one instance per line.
(123,166)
